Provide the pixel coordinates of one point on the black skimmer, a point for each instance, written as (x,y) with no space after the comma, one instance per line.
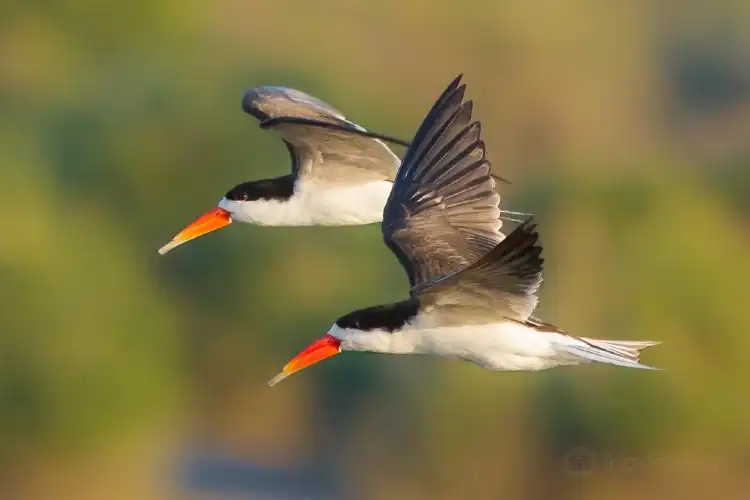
(341,174)
(472,292)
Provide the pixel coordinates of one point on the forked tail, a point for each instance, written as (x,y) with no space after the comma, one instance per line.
(615,352)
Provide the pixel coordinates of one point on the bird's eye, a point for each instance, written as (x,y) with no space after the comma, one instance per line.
(245,196)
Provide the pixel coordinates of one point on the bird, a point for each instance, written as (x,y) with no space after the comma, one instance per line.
(472,291)
(342,174)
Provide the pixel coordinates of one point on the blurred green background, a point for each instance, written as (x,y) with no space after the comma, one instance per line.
(123,374)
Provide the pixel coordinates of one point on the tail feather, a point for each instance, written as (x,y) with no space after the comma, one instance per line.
(616,352)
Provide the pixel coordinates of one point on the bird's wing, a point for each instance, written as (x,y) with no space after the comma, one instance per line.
(502,284)
(442,213)
(323,144)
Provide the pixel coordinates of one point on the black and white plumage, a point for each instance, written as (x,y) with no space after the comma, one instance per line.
(341,174)
(473,291)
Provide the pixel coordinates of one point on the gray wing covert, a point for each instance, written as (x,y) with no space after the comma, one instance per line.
(323,144)
(502,284)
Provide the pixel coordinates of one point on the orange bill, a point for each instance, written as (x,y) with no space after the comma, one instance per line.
(210,221)
(323,348)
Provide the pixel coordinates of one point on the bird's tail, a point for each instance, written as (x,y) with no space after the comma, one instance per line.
(615,352)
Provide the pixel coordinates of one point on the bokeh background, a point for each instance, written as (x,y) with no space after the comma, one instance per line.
(124,374)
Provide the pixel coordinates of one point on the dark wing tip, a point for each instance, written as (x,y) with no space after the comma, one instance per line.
(519,254)
(525,234)
(449,102)
(522,250)
(450,92)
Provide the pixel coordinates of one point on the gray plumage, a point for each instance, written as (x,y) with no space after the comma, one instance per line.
(323,144)
(502,284)
(442,213)
(442,221)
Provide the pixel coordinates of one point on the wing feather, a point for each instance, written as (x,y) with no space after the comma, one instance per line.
(323,144)
(443,212)
(502,284)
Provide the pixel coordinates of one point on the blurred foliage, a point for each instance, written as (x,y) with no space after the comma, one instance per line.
(624,126)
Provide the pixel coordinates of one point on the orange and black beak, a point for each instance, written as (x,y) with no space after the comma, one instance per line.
(323,348)
(210,221)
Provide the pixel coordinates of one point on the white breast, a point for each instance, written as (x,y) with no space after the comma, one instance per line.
(316,204)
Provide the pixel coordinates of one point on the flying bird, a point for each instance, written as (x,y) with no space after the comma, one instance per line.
(341,174)
(473,291)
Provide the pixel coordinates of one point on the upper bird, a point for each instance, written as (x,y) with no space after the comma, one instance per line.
(341,173)
(472,292)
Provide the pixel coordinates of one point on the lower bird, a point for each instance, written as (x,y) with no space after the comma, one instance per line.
(472,293)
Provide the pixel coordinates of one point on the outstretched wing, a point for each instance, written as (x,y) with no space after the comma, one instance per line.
(502,284)
(323,144)
(443,213)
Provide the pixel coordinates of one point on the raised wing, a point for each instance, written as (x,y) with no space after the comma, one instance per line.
(502,284)
(442,214)
(323,144)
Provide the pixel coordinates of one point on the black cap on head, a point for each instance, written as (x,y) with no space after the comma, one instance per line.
(388,317)
(278,188)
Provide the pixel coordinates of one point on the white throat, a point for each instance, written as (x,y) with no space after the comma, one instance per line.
(316,204)
(402,341)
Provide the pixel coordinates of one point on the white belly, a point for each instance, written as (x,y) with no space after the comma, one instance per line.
(500,346)
(319,205)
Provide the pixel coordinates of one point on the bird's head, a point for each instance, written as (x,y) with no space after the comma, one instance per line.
(369,329)
(237,204)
